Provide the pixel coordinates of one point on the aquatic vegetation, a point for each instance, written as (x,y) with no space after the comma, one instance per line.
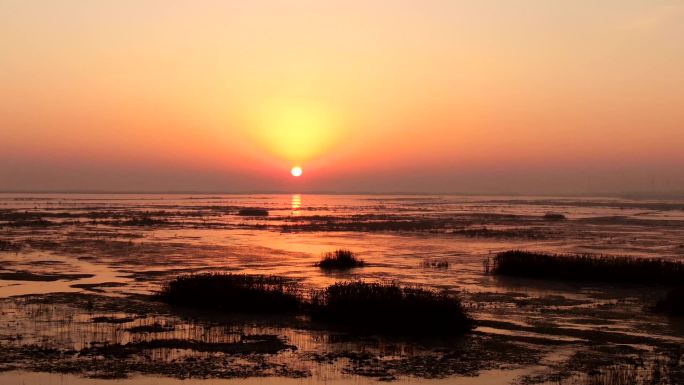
(484,232)
(123,331)
(10,246)
(367,307)
(390,309)
(253,212)
(340,259)
(112,320)
(97,287)
(31,223)
(441,264)
(550,216)
(151,328)
(654,373)
(587,267)
(144,220)
(22,275)
(673,303)
(233,292)
(248,344)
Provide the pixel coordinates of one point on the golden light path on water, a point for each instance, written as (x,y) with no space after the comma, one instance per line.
(296,204)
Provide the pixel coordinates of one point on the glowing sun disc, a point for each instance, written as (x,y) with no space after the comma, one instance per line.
(296,171)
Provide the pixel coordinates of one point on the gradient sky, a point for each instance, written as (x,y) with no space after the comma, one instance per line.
(537,96)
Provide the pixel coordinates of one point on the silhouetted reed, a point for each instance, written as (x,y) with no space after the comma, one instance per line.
(340,259)
(233,292)
(389,309)
(10,246)
(673,303)
(586,267)
(253,212)
(648,373)
(358,306)
(442,264)
(143,220)
(554,217)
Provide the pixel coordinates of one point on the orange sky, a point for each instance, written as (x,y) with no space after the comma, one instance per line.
(431,96)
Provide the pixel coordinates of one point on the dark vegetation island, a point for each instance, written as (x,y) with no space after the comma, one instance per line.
(597,268)
(554,216)
(233,293)
(253,212)
(390,309)
(340,259)
(583,267)
(377,308)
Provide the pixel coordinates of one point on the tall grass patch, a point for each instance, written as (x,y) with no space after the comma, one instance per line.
(340,259)
(233,292)
(390,309)
(587,267)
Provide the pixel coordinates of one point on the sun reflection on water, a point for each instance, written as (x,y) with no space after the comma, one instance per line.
(296,204)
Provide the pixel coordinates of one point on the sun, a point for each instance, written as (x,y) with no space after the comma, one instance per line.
(296,171)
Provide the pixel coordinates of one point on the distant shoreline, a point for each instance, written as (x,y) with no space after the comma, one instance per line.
(626,195)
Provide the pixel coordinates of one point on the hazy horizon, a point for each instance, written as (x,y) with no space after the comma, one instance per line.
(569,97)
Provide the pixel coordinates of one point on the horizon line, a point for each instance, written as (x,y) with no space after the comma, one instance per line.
(626,194)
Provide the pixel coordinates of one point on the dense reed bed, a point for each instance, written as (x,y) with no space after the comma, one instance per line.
(359,306)
(390,309)
(253,212)
(620,269)
(550,216)
(233,293)
(340,259)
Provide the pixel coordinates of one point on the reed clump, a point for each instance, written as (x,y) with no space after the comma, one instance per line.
(253,212)
(143,220)
(587,267)
(441,264)
(551,216)
(390,309)
(378,308)
(10,246)
(340,259)
(233,292)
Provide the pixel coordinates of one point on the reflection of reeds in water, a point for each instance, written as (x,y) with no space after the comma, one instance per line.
(654,372)
(673,303)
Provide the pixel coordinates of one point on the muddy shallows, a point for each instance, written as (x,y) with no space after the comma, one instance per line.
(79,276)
(98,336)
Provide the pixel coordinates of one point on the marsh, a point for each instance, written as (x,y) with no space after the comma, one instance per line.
(81,297)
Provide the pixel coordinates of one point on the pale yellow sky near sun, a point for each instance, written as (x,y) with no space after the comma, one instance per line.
(474,96)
